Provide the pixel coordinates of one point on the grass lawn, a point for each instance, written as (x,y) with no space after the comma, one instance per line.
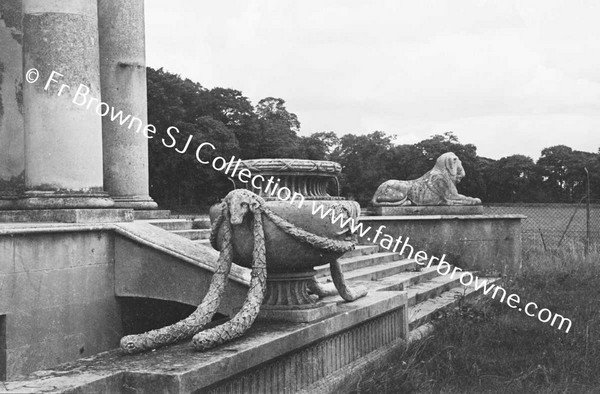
(483,346)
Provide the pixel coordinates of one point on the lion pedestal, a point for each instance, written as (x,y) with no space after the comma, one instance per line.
(431,213)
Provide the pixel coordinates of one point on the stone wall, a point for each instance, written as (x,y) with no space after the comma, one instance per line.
(65,286)
(11,97)
(488,243)
(57,298)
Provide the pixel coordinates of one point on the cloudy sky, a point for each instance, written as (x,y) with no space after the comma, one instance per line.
(508,76)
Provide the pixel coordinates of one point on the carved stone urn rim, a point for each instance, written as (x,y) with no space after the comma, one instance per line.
(292,166)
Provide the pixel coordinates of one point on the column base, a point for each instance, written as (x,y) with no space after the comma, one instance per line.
(135,202)
(60,200)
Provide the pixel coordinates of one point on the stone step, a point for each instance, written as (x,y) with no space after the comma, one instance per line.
(352,264)
(151,214)
(378,271)
(423,312)
(201,222)
(403,280)
(193,234)
(361,250)
(205,242)
(431,288)
(171,224)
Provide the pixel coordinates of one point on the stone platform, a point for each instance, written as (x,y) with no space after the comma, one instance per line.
(271,357)
(75,215)
(411,210)
(149,214)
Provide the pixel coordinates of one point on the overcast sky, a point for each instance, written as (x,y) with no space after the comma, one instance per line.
(508,76)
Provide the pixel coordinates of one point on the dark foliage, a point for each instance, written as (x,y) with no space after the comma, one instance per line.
(228,120)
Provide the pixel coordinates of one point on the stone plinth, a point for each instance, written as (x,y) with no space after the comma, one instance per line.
(123,76)
(57,299)
(287,299)
(488,243)
(271,357)
(427,210)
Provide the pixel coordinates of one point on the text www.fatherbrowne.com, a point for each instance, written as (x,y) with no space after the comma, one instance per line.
(443,268)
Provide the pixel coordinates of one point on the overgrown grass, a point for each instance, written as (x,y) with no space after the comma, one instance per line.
(484,346)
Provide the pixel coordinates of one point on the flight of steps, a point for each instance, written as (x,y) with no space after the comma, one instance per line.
(378,270)
(368,265)
(196,229)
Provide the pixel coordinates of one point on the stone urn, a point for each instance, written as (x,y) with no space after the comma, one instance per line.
(291,262)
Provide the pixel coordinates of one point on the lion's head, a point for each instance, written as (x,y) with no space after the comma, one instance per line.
(451,164)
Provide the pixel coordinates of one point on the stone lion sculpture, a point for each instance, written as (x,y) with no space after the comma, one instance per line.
(436,187)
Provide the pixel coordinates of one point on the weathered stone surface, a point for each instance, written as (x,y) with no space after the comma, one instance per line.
(11,100)
(141,267)
(283,357)
(491,243)
(151,214)
(307,177)
(56,295)
(58,292)
(284,253)
(436,187)
(63,140)
(428,210)
(317,312)
(67,215)
(123,80)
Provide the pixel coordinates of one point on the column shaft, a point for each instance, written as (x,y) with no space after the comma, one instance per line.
(11,115)
(123,81)
(63,140)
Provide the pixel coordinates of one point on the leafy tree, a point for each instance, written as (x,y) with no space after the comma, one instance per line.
(364,160)
(563,172)
(179,179)
(514,178)
(230,107)
(273,110)
(317,146)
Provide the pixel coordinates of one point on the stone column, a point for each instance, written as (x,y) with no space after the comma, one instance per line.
(11,104)
(123,76)
(63,140)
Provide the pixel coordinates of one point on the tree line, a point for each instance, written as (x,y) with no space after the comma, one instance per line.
(227,119)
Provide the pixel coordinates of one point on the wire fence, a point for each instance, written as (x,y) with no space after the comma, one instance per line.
(550,226)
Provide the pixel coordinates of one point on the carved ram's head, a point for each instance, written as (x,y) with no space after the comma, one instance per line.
(240,202)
